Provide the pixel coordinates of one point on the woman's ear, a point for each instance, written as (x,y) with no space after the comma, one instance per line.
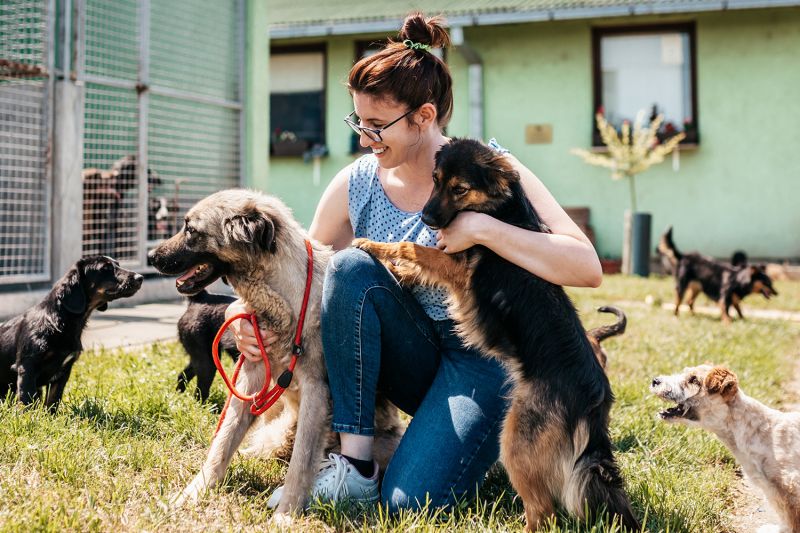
(426,115)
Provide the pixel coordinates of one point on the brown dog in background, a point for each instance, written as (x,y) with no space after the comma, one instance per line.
(554,444)
(727,285)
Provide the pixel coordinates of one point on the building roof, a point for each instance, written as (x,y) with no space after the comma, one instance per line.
(305,18)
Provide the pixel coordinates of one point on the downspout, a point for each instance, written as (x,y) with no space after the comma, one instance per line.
(474,81)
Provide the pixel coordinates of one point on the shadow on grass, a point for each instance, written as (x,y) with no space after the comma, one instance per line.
(104,418)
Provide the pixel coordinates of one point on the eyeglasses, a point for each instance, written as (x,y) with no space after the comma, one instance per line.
(372,133)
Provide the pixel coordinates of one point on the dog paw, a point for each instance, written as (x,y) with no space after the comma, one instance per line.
(281,521)
(188,496)
(361,244)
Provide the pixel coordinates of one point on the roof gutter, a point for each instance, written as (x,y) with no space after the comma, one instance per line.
(390,25)
(474,83)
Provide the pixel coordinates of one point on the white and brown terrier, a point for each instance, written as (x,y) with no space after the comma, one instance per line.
(766,442)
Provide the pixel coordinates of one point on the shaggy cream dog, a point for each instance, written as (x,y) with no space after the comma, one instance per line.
(766,442)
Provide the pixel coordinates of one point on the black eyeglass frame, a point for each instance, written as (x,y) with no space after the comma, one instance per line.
(377,138)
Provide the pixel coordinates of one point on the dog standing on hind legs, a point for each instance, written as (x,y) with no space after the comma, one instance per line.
(554,443)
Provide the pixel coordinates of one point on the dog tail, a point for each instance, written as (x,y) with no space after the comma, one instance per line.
(618,328)
(595,483)
(668,248)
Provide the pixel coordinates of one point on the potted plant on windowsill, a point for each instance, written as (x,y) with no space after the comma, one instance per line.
(286,143)
(630,153)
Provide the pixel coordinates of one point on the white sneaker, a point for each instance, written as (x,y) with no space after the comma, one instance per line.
(338,480)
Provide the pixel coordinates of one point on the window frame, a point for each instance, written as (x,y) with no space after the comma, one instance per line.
(322,47)
(598,32)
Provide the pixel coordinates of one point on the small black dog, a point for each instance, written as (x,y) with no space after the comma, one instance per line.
(39,347)
(727,285)
(196,329)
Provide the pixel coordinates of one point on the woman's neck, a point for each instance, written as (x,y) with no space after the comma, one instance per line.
(418,169)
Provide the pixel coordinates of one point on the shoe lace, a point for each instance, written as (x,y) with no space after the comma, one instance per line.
(335,465)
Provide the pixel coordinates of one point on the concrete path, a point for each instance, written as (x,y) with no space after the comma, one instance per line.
(132,326)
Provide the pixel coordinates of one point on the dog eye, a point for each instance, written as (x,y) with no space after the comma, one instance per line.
(459,190)
(694,381)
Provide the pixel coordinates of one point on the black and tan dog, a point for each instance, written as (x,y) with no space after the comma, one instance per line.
(39,347)
(254,242)
(555,444)
(727,285)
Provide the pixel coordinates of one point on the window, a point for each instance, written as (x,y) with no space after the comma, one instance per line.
(297,99)
(650,68)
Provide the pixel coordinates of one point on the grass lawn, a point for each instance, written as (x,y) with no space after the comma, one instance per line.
(124,440)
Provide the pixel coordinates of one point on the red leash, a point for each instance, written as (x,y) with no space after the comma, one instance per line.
(266,397)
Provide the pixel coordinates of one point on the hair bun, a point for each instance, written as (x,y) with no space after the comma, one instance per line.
(423,30)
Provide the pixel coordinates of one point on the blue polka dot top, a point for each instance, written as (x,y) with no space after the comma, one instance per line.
(374,217)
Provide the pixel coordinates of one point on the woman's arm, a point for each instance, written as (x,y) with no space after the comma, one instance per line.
(331,224)
(564,257)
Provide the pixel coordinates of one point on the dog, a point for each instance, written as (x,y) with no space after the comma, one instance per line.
(254,242)
(599,334)
(766,442)
(727,285)
(39,347)
(197,328)
(554,442)
(109,202)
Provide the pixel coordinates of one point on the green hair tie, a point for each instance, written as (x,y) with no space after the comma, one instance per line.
(416,46)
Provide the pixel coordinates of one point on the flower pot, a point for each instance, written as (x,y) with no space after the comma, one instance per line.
(611,266)
(289,148)
(640,244)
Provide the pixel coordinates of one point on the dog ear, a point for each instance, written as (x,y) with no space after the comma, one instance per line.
(253,228)
(504,170)
(723,381)
(70,292)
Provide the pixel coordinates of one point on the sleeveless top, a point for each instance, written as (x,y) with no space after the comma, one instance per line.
(373,216)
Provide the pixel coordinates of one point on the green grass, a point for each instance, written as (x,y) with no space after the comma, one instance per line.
(124,440)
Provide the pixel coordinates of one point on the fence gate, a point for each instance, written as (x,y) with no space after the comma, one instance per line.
(26,89)
(162,117)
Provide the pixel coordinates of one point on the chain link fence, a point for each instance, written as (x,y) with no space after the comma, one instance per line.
(160,86)
(25,125)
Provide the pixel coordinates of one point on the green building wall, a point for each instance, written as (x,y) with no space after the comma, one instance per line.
(737,190)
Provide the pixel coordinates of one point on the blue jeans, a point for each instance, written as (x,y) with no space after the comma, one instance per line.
(376,336)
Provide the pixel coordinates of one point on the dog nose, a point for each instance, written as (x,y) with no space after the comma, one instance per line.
(138,277)
(655,383)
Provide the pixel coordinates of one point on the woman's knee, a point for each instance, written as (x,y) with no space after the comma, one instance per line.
(395,499)
(349,269)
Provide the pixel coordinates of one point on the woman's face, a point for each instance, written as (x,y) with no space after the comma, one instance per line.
(399,140)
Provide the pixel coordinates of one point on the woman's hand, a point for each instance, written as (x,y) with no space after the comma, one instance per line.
(244,334)
(462,233)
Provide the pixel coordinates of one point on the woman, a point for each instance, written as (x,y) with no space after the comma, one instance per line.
(380,336)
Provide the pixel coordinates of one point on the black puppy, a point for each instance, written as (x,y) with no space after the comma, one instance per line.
(727,285)
(555,443)
(196,329)
(39,347)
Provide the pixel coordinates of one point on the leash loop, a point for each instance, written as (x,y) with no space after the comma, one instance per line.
(266,397)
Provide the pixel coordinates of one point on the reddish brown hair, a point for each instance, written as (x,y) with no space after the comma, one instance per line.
(409,76)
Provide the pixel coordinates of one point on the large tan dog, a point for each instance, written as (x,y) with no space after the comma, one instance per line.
(253,241)
(766,442)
